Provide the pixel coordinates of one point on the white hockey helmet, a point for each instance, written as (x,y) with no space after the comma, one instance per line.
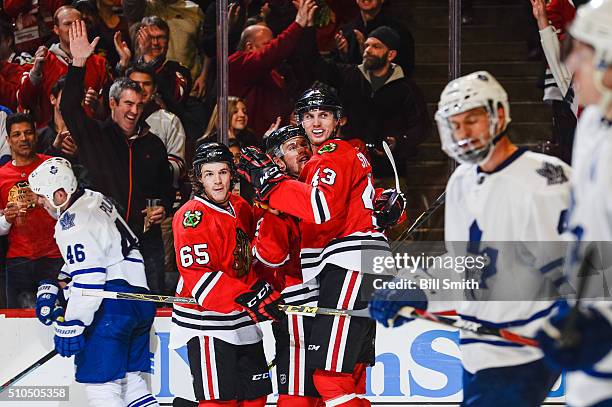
(478,89)
(593,26)
(53,174)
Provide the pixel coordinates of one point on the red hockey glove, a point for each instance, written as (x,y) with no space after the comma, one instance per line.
(389,208)
(259,169)
(261,302)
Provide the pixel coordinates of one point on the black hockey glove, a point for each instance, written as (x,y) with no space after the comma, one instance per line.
(261,302)
(259,169)
(388,208)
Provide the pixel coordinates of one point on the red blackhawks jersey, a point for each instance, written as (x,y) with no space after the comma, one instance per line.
(334,200)
(33,239)
(276,252)
(212,246)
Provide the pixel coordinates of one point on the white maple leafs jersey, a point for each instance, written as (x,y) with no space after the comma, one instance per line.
(590,220)
(97,246)
(504,215)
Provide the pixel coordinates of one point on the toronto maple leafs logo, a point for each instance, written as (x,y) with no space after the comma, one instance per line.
(192,219)
(67,221)
(554,174)
(53,170)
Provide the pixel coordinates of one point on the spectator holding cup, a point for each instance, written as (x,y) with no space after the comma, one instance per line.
(32,253)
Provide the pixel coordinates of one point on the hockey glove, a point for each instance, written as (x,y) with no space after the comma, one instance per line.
(389,208)
(261,302)
(590,338)
(259,169)
(69,339)
(386,303)
(46,297)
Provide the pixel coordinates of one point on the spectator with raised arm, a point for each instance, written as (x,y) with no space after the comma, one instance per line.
(253,73)
(351,38)
(10,73)
(125,160)
(51,64)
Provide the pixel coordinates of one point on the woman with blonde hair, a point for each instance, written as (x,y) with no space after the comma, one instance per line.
(237,119)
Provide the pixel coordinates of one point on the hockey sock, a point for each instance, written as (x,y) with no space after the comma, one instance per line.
(359,376)
(285,400)
(136,392)
(104,394)
(258,402)
(336,389)
(218,403)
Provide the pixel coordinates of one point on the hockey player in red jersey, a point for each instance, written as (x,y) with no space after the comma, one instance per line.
(334,200)
(276,249)
(224,343)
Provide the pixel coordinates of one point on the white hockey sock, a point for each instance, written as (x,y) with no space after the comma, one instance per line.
(136,392)
(104,394)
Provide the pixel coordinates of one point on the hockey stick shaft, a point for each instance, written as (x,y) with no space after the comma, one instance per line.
(392,161)
(140,297)
(424,217)
(410,312)
(28,370)
(467,326)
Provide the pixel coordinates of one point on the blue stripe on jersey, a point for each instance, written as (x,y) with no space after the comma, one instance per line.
(469,341)
(509,324)
(552,265)
(595,373)
(88,271)
(133,260)
(146,400)
(89,286)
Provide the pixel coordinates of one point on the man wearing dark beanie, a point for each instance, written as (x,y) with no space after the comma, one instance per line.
(381,103)
(373,15)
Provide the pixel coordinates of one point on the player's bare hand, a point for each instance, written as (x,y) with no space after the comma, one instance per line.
(341,42)
(539,13)
(123,50)
(80,47)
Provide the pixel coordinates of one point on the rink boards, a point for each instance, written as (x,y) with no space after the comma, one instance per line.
(416,364)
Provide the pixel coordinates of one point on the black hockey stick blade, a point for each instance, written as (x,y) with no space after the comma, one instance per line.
(28,370)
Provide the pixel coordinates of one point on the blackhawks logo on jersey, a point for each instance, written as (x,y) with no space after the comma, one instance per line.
(242,254)
(328,148)
(192,219)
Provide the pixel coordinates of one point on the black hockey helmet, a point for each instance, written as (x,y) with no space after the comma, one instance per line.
(318,98)
(276,139)
(212,152)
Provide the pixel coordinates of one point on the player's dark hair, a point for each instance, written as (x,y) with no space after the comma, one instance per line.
(6,28)
(19,117)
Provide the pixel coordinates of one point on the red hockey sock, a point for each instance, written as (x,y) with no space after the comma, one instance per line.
(285,400)
(218,403)
(259,402)
(359,376)
(336,389)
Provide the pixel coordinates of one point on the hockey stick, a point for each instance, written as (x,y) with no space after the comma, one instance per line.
(424,217)
(410,312)
(28,370)
(392,161)
(468,326)
(111,295)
